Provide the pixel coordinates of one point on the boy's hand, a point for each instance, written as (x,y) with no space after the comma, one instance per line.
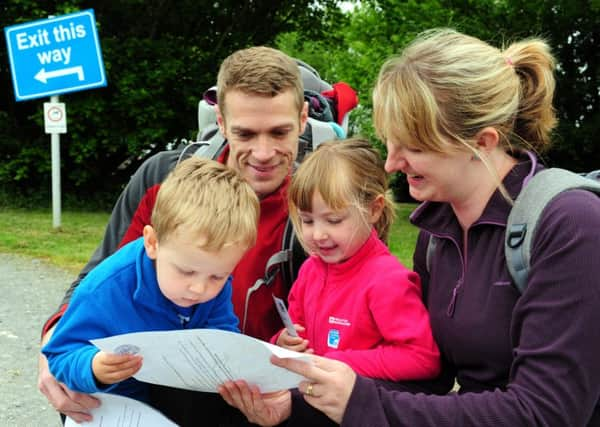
(110,368)
(298,343)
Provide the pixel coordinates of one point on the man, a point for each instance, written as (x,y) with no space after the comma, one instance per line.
(262,113)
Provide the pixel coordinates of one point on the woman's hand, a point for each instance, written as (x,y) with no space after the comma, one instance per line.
(267,409)
(329,383)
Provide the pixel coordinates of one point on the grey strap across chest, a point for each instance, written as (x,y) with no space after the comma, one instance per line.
(527,210)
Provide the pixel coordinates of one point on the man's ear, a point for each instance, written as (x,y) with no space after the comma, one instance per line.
(150,241)
(303,117)
(487,139)
(220,120)
(376,210)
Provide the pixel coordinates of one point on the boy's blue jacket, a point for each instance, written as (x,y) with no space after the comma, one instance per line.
(119,296)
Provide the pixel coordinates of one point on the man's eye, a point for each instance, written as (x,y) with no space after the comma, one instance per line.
(279,134)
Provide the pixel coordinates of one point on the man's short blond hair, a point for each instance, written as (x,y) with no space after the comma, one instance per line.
(204,198)
(262,71)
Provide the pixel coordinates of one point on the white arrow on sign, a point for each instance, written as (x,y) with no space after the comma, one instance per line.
(44,75)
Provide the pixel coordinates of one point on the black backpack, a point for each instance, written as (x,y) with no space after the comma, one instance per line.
(323,125)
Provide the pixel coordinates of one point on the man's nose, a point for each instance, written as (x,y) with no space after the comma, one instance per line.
(264,148)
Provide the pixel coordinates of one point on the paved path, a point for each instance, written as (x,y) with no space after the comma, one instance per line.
(29,290)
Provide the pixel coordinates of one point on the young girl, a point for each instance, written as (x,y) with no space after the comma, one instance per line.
(353,301)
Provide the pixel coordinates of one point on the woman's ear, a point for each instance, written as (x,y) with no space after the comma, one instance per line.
(376,208)
(150,241)
(487,140)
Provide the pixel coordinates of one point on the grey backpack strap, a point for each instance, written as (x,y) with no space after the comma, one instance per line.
(526,212)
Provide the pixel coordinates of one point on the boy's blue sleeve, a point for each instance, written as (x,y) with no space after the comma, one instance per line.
(69,351)
(222,315)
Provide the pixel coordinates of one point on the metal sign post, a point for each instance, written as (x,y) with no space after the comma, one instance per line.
(55,120)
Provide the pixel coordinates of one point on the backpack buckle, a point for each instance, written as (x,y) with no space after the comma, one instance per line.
(516,235)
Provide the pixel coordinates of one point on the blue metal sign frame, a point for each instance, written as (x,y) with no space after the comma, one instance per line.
(55,56)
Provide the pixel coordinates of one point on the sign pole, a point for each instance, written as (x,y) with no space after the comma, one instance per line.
(55,151)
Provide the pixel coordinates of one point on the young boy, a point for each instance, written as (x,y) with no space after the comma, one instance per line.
(176,276)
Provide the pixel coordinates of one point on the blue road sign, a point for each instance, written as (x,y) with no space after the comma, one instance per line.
(55,56)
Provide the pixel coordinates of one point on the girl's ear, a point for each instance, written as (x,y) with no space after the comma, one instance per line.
(150,241)
(376,209)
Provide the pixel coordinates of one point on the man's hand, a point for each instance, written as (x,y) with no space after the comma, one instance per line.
(72,404)
(267,409)
(110,368)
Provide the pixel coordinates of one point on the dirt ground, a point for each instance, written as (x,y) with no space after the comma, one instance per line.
(30,291)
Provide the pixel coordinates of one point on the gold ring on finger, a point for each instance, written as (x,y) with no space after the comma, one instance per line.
(309,390)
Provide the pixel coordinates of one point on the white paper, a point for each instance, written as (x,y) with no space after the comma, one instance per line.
(202,359)
(122,411)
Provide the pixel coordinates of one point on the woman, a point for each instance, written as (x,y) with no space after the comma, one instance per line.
(458,117)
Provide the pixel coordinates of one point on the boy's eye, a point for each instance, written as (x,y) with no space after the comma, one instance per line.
(187,273)
(217,278)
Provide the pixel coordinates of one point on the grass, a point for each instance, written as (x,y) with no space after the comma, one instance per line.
(403,234)
(30,233)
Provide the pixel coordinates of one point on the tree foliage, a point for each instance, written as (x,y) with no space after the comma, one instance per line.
(159,57)
(377,29)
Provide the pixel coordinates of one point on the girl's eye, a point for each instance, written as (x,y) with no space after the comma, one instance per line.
(334,220)
(306,220)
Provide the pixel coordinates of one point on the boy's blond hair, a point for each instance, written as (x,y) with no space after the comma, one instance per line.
(346,173)
(202,197)
(260,71)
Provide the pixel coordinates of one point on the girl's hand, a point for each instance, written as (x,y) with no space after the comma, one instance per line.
(112,368)
(267,409)
(298,343)
(330,383)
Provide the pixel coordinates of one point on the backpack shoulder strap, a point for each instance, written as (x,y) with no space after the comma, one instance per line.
(526,212)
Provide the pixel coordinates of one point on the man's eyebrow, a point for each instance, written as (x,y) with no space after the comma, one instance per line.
(283,127)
